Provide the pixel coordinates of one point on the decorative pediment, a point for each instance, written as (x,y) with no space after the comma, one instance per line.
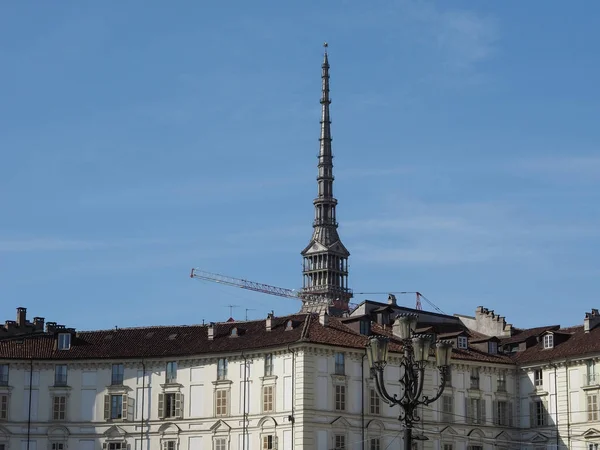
(58,432)
(4,434)
(169,428)
(592,433)
(503,436)
(449,430)
(314,247)
(115,432)
(340,422)
(376,424)
(220,426)
(267,422)
(475,432)
(539,437)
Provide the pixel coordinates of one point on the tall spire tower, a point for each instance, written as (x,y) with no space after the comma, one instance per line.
(325,265)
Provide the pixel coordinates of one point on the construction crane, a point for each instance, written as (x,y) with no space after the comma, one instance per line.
(257,287)
(278,291)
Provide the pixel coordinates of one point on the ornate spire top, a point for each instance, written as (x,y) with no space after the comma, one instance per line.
(325,138)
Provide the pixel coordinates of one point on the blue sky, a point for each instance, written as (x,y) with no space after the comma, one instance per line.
(141,139)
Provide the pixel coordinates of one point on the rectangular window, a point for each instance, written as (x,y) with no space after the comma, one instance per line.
(476,411)
(118,372)
(340,442)
(3,374)
(592,377)
(475,378)
(447,408)
(502,381)
(267,398)
(340,364)
(222,369)
(340,397)
(59,407)
(3,406)
(268,365)
(115,407)
(171,376)
(268,442)
(462,342)
(169,445)
(375,402)
(548,341)
(537,378)
(475,447)
(64,341)
(116,446)
(56,446)
(448,447)
(449,376)
(502,413)
(60,375)
(169,405)
(375,444)
(592,407)
(538,414)
(365,327)
(221,403)
(492,347)
(220,444)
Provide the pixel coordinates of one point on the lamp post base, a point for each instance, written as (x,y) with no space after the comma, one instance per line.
(407,438)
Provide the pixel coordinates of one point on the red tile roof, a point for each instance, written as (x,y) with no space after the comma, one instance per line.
(521,335)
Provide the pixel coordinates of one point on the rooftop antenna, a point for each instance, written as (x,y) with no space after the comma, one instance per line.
(249,309)
(231,309)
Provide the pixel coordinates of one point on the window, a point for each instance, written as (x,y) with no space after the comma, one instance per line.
(171,376)
(475,447)
(447,408)
(220,444)
(592,446)
(375,444)
(169,445)
(340,397)
(448,447)
(375,402)
(115,407)
(116,446)
(365,327)
(267,398)
(268,365)
(548,341)
(492,347)
(59,407)
(592,407)
(503,413)
(222,369)
(64,341)
(268,442)
(449,376)
(474,378)
(340,366)
(60,375)
(55,446)
(117,374)
(537,378)
(538,414)
(169,405)
(340,442)
(3,374)
(463,342)
(592,377)
(502,381)
(476,411)
(221,400)
(3,407)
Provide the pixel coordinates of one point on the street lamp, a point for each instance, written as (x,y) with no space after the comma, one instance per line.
(412,369)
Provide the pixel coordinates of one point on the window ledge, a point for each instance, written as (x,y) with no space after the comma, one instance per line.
(171,386)
(222,383)
(339,379)
(118,389)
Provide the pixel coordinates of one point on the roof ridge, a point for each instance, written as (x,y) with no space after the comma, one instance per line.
(304,334)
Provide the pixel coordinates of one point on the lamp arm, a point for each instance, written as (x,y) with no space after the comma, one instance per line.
(420,380)
(444,376)
(380,385)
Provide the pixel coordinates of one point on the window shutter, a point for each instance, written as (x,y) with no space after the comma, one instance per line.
(468,410)
(106,407)
(178,404)
(483,414)
(161,406)
(510,414)
(124,407)
(495,413)
(545,413)
(531,414)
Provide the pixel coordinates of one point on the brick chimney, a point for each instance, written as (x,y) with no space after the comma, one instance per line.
(38,323)
(269,321)
(50,327)
(392,300)
(211,331)
(21,316)
(591,320)
(10,324)
(324,318)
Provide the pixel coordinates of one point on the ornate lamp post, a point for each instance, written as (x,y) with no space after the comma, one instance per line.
(412,370)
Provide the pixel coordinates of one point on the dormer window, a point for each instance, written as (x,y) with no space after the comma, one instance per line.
(492,347)
(64,341)
(548,341)
(463,342)
(289,325)
(234,332)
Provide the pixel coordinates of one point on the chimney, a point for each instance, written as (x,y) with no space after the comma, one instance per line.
(392,300)
(50,327)
(10,324)
(324,318)
(38,322)
(21,316)
(211,331)
(591,320)
(269,321)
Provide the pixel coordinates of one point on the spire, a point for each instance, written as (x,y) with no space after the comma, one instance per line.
(325,259)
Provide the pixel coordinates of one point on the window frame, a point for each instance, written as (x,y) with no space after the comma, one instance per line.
(171,372)
(462,342)
(501,380)
(4,374)
(61,373)
(117,376)
(222,369)
(538,378)
(4,406)
(63,341)
(374,402)
(340,363)
(59,409)
(339,441)
(592,407)
(269,365)
(221,402)
(268,398)
(475,378)
(339,403)
(548,341)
